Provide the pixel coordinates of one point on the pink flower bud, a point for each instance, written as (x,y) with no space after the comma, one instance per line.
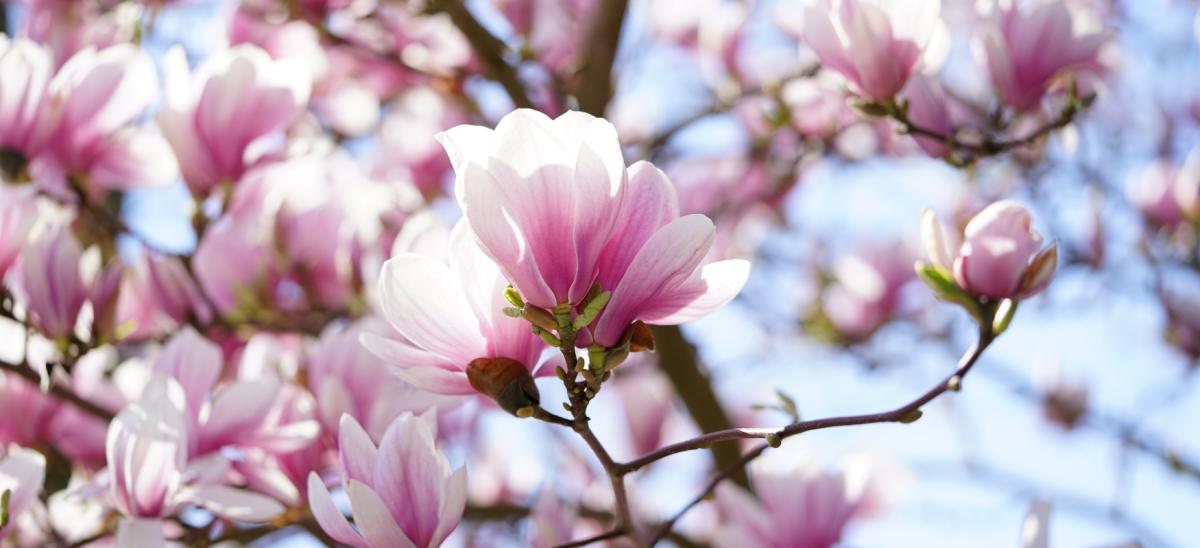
(876,45)
(866,289)
(1001,256)
(382,483)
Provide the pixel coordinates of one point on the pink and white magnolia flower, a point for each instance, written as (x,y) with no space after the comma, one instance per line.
(541,196)
(1158,190)
(91,113)
(26,412)
(214,118)
(927,109)
(18,211)
(1026,44)
(1001,256)
(22,472)
(875,44)
(445,316)
(54,283)
(148,475)
(553,204)
(240,413)
(801,504)
(158,294)
(402,493)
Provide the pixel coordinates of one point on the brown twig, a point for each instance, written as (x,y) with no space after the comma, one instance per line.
(906,413)
(601,43)
(64,393)
(490,50)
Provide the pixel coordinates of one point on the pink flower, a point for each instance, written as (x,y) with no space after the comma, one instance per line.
(552,203)
(541,196)
(409,150)
(1001,256)
(93,105)
(866,289)
(551,27)
(147,449)
(234,261)
(234,99)
(1025,46)
(652,263)
(384,482)
(22,472)
(1158,189)
(800,505)
(159,294)
(446,316)
(347,379)
(927,109)
(53,281)
(68,26)
(876,45)
(25,72)
(646,398)
(18,210)
(240,413)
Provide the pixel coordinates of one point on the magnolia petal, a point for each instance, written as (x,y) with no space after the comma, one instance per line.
(234,504)
(372,517)
(328,516)
(712,287)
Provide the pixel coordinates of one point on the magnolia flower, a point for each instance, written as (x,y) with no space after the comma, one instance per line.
(25,411)
(147,450)
(447,316)
(22,472)
(646,399)
(866,289)
(158,295)
(25,72)
(1153,191)
(1000,257)
(1026,44)
(402,493)
(235,99)
(53,280)
(240,413)
(101,139)
(18,210)
(800,505)
(875,44)
(552,203)
(541,196)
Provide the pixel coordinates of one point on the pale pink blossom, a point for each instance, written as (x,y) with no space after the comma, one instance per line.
(92,111)
(159,294)
(68,26)
(80,435)
(148,475)
(1001,255)
(646,398)
(236,99)
(541,196)
(866,288)
(409,150)
(1027,44)
(52,276)
(25,72)
(445,316)
(1154,191)
(18,211)
(551,27)
(875,44)
(802,504)
(22,472)
(240,413)
(25,411)
(383,482)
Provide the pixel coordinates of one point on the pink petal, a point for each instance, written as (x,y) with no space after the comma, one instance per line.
(666,261)
(356,452)
(423,301)
(710,288)
(649,203)
(328,516)
(234,504)
(409,478)
(372,517)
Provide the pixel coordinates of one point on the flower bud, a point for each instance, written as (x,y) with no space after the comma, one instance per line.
(504,380)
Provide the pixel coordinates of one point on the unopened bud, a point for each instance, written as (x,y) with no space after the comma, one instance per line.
(640,337)
(504,380)
(513,296)
(539,317)
(774,440)
(912,416)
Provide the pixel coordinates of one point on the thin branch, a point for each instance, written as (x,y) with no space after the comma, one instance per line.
(489,49)
(601,43)
(906,413)
(613,533)
(64,393)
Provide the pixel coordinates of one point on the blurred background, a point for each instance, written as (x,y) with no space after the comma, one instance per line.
(1088,401)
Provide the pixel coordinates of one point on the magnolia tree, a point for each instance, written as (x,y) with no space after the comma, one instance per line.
(561,273)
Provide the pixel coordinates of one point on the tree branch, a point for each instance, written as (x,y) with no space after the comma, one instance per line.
(489,49)
(64,393)
(601,43)
(908,412)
